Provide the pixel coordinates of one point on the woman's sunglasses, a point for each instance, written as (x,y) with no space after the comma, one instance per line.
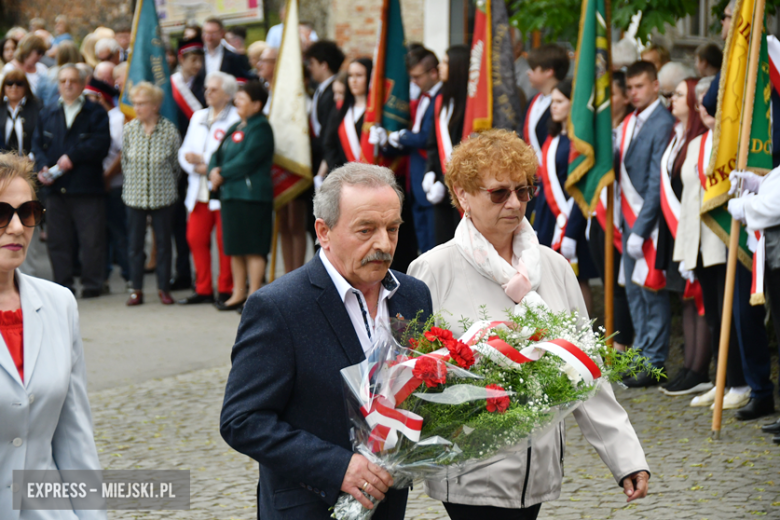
(30,213)
(501,195)
(12,83)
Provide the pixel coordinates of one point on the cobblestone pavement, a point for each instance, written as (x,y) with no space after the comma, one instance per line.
(172,423)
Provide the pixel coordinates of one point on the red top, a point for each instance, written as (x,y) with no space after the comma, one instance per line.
(12,329)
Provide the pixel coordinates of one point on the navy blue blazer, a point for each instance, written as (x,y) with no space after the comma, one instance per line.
(415,144)
(284,402)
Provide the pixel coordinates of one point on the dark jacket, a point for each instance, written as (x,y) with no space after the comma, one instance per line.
(234,64)
(333,149)
(29,117)
(325,106)
(86,143)
(245,157)
(284,402)
(415,144)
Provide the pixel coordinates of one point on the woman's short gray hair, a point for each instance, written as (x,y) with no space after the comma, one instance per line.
(703,86)
(229,83)
(327,201)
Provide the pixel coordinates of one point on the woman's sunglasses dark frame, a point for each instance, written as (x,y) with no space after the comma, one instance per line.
(14,83)
(33,208)
(501,195)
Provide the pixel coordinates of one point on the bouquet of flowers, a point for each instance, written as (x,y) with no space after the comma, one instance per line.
(428,405)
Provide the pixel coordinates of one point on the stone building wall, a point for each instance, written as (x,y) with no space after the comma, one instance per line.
(84,15)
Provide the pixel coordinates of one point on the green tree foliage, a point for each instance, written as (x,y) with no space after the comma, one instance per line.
(559,19)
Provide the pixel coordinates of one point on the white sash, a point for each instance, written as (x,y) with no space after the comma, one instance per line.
(349,129)
(444,130)
(177,82)
(670,204)
(538,105)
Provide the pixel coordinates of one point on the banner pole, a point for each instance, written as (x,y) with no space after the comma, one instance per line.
(274,242)
(379,67)
(731,268)
(609,232)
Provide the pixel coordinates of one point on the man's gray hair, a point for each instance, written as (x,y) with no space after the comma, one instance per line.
(106,44)
(72,66)
(327,201)
(229,83)
(703,86)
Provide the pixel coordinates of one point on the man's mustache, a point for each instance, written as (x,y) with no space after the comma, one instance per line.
(378,255)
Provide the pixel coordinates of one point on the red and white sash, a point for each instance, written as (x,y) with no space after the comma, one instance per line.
(348,136)
(443,115)
(601,216)
(759,264)
(536,108)
(553,191)
(183,96)
(645,273)
(705,150)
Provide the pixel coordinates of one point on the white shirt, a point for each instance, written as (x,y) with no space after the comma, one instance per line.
(213,60)
(13,123)
(315,122)
(642,116)
(116,125)
(541,104)
(762,211)
(203,137)
(72,110)
(356,305)
(422,107)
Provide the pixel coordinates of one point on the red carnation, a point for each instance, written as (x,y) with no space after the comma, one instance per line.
(431,370)
(497,404)
(460,353)
(414,343)
(438,334)
(538,335)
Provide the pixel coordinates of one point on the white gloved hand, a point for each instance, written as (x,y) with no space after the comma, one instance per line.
(377,135)
(634,246)
(569,248)
(428,180)
(685,273)
(436,193)
(750,181)
(737,206)
(395,138)
(318,180)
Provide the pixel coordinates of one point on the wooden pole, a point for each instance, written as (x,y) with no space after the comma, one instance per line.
(757,27)
(274,251)
(379,72)
(609,232)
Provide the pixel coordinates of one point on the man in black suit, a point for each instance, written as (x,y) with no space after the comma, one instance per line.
(284,402)
(218,58)
(74,135)
(324,61)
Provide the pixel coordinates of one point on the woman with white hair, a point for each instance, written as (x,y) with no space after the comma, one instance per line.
(150,146)
(207,128)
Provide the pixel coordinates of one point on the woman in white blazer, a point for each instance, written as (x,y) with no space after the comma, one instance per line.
(45,420)
(494,263)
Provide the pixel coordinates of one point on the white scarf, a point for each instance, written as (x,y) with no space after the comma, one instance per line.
(521,279)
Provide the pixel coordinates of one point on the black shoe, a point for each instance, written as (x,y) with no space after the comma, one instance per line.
(221,306)
(692,383)
(240,310)
(90,293)
(181,284)
(772,427)
(641,380)
(776,439)
(756,408)
(676,379)
(197,298)
(224,296)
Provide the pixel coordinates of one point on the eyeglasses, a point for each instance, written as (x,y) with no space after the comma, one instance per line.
(501,195)
(30,213)
(14,83)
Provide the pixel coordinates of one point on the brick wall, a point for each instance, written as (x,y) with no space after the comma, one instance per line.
(353,24)
(84,15)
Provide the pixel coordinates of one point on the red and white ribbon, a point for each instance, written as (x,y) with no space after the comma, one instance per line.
(443,138)
(386,421)
(759,264)
(348,137)
(185,99)
(536,108)
(645,274)
(553,191)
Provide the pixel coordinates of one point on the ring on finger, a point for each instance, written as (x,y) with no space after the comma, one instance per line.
(365,485)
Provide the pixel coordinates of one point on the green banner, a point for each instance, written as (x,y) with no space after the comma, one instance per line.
(395,115)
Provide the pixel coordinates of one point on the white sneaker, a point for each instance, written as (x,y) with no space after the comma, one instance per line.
(733,400)
(704,399)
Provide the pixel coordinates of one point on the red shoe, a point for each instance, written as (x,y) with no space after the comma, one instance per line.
(166,298)
(136,298)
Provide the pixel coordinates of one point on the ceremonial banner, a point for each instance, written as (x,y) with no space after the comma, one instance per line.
(590,119)
(727,127)
(388,100)
(147,61)
(492,100)
(291,171)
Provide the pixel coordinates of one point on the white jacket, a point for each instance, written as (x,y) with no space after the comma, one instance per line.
(45,421)
(457,291)
(204,139)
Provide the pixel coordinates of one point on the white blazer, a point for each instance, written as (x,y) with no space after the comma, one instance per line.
(204,139)
(45,421)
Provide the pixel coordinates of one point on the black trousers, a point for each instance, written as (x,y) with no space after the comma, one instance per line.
(466,512)
(713,286)
(162,223)
(84,215)
(183,269)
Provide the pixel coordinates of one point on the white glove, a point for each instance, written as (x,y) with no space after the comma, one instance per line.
(569,248)
(318,182)
(428,180)
(750,181)
(686,274)
(436,193)
(377,135)
(737,206)
(634,246)
(395,138)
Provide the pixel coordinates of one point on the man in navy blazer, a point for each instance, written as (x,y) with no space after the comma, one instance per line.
(650,311)
(219,58)
(284,402)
